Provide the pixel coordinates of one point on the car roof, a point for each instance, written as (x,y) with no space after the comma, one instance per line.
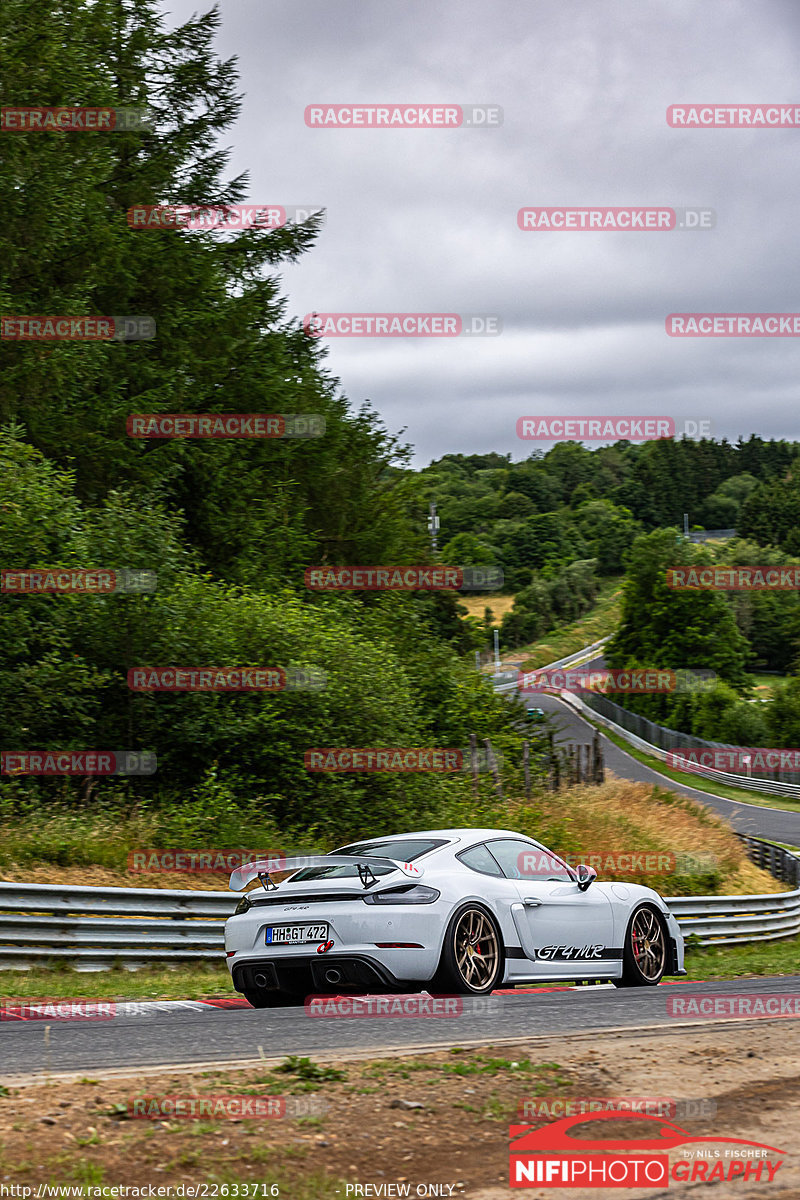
(466,835)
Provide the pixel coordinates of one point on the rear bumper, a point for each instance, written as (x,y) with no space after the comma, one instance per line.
(304,973)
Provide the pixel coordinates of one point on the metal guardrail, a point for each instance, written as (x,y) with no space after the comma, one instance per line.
(724,920)
(770,787)
(572,660)
(750,783)
(706,535)
(783,864)
(96,928)
(101,927)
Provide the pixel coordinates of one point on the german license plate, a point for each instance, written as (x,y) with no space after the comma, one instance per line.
(288,934)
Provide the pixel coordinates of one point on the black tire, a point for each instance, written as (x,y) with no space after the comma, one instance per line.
(262,998)
(461,970)
(644,954)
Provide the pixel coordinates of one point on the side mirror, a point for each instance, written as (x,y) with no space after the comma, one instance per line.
(585,876)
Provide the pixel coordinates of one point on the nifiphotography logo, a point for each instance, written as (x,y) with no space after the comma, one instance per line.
(552,1156)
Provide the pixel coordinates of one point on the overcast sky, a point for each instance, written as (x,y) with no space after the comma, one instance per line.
(426,220)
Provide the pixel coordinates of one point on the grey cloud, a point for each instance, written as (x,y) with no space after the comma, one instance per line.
(426,220)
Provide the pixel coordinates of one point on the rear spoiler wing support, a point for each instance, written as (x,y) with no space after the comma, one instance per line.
(365,864)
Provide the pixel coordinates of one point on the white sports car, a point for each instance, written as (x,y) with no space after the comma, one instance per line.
(448,910)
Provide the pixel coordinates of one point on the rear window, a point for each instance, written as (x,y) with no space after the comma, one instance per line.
(478,858)
(402,850)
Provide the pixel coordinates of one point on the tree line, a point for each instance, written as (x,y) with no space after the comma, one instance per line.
(227,525)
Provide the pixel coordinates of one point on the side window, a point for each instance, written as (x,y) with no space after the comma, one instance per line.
(522,860)
(478,858)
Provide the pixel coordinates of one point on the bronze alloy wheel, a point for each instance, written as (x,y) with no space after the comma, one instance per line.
(648,945)
(476,949)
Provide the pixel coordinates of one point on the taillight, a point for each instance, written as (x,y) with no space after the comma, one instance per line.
(409,893)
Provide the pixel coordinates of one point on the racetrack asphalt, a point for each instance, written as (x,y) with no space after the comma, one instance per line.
(773,824)
(183,1035)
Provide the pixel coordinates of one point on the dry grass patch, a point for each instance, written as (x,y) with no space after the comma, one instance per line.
(476,606)
(92,875)
(623,817)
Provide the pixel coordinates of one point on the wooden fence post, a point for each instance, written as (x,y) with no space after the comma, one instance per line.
(492,762)
(599,773)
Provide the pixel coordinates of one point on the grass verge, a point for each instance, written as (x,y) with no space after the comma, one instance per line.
(160,981)
(211,981)
(696,781)
(754,958)
(597,623)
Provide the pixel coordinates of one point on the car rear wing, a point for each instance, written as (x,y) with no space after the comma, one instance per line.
(364,863)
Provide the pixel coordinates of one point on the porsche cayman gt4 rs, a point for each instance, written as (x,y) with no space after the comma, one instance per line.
(448,910)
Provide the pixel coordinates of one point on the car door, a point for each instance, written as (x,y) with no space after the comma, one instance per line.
(502,895)
(564,931)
